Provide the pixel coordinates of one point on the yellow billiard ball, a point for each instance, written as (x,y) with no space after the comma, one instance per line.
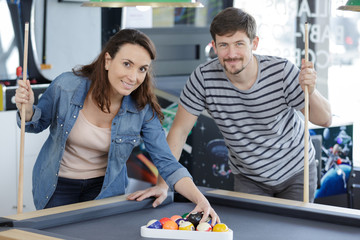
(220,227)
(186,226)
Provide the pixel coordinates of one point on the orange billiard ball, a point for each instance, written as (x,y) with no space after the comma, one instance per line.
(170,225)
(175,217)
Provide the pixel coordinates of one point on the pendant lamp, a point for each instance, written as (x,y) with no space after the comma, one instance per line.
(134,3)
(351,5)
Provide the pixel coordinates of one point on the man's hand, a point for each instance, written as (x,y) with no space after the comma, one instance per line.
(307,76)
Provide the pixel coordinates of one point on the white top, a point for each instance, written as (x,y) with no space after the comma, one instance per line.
(86,151)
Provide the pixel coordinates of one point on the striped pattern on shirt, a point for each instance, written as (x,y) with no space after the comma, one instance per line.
(262,129)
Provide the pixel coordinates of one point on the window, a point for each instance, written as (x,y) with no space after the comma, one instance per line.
(333,47)
(9,52)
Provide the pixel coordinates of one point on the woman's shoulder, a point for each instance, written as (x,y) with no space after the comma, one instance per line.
(69,81)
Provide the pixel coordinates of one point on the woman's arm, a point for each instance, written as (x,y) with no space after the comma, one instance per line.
(176,139)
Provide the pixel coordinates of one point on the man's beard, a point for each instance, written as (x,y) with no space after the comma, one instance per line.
(236,71)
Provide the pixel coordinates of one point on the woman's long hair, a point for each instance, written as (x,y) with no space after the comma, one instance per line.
(100,86)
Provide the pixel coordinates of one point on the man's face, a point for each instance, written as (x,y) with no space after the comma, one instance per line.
(234,51)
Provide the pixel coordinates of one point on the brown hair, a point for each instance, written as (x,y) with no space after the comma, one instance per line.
(100,85)
(231,20)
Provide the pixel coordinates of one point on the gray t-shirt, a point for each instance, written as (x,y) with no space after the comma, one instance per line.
(261,126)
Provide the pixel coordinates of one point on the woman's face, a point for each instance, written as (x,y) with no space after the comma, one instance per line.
(128,69)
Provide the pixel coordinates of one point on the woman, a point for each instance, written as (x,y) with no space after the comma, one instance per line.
(97,114)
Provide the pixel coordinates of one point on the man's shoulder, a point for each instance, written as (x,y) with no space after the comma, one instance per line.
(211,65)
(267,59)
(209,69)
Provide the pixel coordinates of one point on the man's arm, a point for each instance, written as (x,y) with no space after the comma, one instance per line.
(319,107)
(179,131)
(319,110)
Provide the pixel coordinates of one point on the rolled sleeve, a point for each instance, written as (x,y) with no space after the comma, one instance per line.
(35,118)
(176,176)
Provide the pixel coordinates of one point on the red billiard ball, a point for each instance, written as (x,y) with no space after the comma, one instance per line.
(164,219)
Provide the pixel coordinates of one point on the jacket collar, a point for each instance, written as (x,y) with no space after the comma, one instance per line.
(81,92)
(129,104)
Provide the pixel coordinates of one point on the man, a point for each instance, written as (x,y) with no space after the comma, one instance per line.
(254,101)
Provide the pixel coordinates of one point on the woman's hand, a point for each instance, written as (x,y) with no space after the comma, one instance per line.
(159,192)
(24,97)
(187,188)
(205,208)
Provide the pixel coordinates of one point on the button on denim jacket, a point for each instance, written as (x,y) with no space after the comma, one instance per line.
(58,108)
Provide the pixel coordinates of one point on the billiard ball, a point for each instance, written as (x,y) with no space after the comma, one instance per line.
(175,217)
(220,227)
(155,224)
(170,225)
(164,219)
(208,220)
(179,220)
(186,226)
(204,227)
(194,218)
(184,215)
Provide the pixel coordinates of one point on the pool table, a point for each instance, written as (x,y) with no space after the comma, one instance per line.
(249,216)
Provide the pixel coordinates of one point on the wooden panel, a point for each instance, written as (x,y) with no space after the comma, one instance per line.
(16,234)
(66,208)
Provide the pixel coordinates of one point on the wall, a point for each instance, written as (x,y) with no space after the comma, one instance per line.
(73,35)
(9,162)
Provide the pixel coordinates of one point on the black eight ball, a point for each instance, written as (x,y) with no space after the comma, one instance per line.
(195,218)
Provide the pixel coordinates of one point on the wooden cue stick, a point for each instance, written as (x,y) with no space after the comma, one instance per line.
(306,135)
(22,136)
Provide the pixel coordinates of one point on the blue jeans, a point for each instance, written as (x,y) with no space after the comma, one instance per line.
(70,191)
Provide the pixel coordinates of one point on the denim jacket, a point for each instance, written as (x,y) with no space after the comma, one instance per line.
(59,107)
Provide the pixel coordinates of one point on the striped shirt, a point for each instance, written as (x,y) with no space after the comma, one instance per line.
(261,127)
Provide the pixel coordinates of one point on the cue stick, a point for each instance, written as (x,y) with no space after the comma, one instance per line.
(306,135)
(22,135)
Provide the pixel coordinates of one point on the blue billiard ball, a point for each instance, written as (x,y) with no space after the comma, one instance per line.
(155,224)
